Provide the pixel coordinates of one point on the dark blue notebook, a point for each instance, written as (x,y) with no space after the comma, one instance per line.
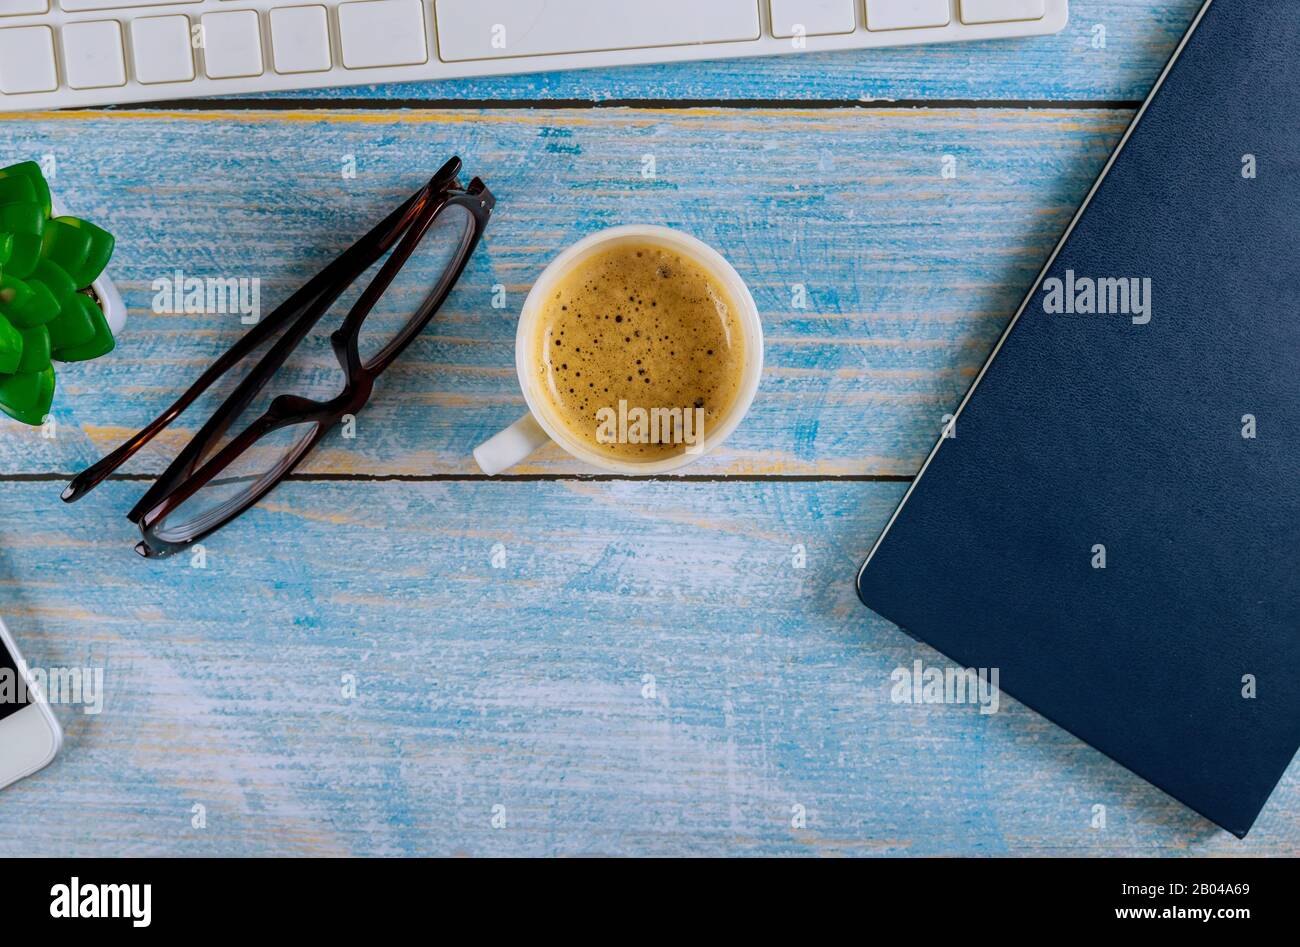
(1115,523)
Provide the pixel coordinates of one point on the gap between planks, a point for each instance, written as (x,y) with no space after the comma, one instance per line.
(310,104)
(323,107)
(505,478)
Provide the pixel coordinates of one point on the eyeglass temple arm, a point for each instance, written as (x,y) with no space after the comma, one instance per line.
(93,475)
(295,307)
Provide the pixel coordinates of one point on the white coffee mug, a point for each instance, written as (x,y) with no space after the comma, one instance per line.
(538,428)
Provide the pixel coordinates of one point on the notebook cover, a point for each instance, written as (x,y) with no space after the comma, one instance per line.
(1132,431)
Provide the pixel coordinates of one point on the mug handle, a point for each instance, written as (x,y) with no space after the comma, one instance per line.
(516,443)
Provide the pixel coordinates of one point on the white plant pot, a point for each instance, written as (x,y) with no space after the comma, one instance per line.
(110,300)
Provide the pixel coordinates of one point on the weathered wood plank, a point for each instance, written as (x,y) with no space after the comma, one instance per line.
(1139,36)
(910,276)
(522,686)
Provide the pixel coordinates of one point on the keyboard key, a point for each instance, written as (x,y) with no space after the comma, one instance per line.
(160,49)
(232,44)
(300,39)
(92,54)
(1000,11)
(20,7)
(76,6)
(383,33)
(817,17)
(498,29)
(907,14)
(27,60)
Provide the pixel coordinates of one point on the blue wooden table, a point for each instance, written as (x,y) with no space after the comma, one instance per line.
(550,663)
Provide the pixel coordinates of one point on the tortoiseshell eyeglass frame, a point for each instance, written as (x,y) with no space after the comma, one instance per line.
(193,468)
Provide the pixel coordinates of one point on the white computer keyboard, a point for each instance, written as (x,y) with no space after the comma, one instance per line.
(58,53)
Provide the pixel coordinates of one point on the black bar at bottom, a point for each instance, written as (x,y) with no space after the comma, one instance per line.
(226,896)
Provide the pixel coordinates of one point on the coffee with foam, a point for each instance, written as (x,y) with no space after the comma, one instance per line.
(638,352)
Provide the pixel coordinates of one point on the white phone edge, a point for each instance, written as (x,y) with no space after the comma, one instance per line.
(30,739)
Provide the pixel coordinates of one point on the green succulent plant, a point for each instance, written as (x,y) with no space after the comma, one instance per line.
(48,312)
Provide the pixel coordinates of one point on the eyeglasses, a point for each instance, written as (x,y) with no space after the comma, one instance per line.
(267,424)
